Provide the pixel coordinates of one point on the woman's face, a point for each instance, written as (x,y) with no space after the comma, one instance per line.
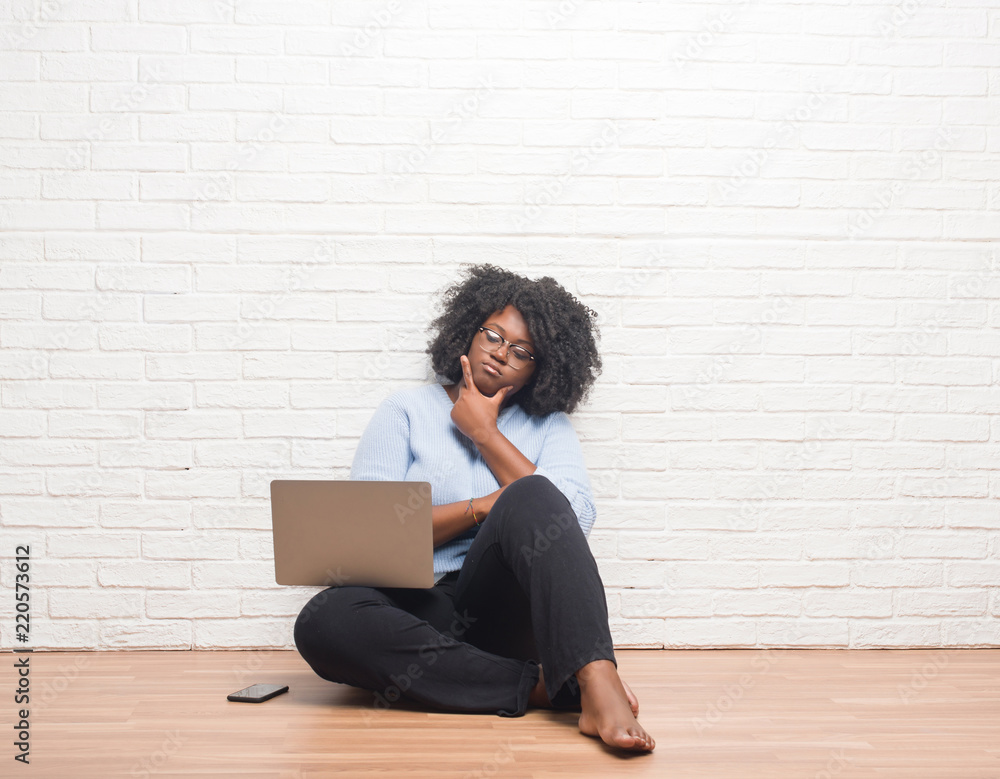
(505,369)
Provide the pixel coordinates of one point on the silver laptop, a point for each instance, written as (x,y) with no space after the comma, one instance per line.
(334,533)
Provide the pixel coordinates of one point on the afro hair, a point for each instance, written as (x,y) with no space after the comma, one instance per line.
(563,329)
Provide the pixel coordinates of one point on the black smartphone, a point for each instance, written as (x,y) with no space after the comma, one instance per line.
(257,693)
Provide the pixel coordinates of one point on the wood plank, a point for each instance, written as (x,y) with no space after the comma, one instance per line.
(922,714)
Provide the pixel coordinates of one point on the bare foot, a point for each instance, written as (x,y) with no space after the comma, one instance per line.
(607,710)
(539,696)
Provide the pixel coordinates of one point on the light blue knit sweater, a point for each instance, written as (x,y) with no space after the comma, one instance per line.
(411,437)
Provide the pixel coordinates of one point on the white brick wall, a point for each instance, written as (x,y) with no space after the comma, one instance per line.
(219,220)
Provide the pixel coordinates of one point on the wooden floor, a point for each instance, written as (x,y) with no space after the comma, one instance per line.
(809,714)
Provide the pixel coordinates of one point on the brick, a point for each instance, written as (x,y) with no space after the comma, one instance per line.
(43,97)
(45,453)
(190,308)
(161,635)
(85,186)
(40,215)
(243,454)
(167,515)
(210,39)
(232,574)
(139,157)
(145,574)
(942,603)
(92,545)
(72,513)
(96,366)
(20,66)
(975,514)
(147,395)
(93,603)
(172,455)
(88,246)
(233,98)
(246,335)
(137,37)
(185,12)
(142,216)
(858,603)
(241,632)
(187,606)
(269,424)
(146,95)
(192,424)
(187,546)
(190,127)
(75,67)
(971,574)
(709,632)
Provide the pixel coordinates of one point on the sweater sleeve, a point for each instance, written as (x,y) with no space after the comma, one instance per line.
(383,453)
(561,462)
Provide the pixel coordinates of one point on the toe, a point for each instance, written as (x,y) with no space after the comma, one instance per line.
(642,738)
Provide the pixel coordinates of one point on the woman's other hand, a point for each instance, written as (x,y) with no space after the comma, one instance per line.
(450,519)
(485,503)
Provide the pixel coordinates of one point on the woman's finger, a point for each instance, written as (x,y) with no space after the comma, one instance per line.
(467,373)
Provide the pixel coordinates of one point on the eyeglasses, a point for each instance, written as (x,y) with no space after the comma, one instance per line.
(492,341)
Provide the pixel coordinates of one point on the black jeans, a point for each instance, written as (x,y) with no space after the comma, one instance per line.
(529,592)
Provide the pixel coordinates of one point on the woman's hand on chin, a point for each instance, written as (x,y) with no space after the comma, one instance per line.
(474,413)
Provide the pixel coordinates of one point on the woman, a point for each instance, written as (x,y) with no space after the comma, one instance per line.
(517,589)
